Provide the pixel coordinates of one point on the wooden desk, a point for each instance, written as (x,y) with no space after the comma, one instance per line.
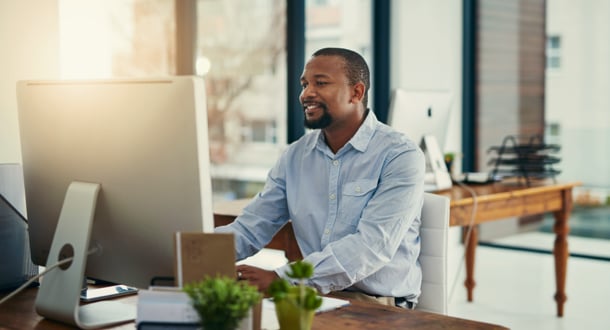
(494,202)
(364,316)
(19,313)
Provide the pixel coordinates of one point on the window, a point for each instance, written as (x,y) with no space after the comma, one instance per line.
(241,51)
(243,42)
(577,110)
(242,45)
(102,39)
(339,23)
(553,53)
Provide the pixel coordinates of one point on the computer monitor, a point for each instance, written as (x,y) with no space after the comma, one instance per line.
(421,112)
(423,115)
(134,153)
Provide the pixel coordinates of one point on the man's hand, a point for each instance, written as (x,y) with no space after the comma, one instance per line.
(258,277)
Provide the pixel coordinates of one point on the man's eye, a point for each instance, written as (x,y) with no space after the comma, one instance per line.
(321,83)
(304,85)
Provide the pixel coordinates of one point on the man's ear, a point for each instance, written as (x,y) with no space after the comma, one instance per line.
(358,92)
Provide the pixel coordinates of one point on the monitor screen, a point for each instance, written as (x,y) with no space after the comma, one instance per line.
(144,141)
(421,112)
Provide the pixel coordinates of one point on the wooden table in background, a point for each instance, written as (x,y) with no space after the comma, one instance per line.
(494,202)
(19,313)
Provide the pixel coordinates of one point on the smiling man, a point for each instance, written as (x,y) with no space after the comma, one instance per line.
(352,187)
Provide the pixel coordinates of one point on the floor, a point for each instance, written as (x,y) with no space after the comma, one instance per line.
(516,288)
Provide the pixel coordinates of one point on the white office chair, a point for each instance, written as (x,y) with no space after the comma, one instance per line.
(433,257)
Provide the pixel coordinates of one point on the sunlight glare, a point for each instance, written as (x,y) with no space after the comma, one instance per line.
(85,42)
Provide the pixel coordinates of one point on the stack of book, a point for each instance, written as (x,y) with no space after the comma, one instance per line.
(165,308)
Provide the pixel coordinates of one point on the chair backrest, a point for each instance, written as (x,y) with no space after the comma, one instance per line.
(433,256)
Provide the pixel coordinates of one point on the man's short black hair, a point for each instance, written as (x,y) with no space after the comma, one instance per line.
(356,68)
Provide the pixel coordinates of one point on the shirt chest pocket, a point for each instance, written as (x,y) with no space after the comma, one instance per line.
(354,197)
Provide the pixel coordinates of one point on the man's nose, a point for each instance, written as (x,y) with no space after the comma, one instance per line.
(308,91)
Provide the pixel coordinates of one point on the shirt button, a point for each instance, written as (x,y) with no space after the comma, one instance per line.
(335,162)
(332,196)
(326,231)
(358,189)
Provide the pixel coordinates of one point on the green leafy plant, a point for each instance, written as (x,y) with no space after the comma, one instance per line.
(295,305)
(449,158)
(222,302)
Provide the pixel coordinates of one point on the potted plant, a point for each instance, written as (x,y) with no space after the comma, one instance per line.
(222,302)
(295,305)
(449,158)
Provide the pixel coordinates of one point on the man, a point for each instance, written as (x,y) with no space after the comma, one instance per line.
(352,187)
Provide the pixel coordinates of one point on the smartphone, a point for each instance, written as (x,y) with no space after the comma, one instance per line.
(113,291)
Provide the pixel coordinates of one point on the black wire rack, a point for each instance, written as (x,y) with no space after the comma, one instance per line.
(527,158)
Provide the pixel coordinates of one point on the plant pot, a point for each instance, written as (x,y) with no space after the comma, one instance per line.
(247,322)
(292,317)
(223,303)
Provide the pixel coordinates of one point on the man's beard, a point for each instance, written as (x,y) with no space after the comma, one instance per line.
(321,122)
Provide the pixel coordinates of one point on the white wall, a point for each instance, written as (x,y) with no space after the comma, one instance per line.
(30,49)
(427,54)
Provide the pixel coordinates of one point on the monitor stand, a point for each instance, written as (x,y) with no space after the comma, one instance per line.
(59,293)
(437,175)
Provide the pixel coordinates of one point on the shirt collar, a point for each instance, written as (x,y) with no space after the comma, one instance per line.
(361,139)
(363,136)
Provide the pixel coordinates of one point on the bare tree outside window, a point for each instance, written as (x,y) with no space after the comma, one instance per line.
(241,53)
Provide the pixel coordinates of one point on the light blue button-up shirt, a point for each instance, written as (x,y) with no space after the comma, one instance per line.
(355,214)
